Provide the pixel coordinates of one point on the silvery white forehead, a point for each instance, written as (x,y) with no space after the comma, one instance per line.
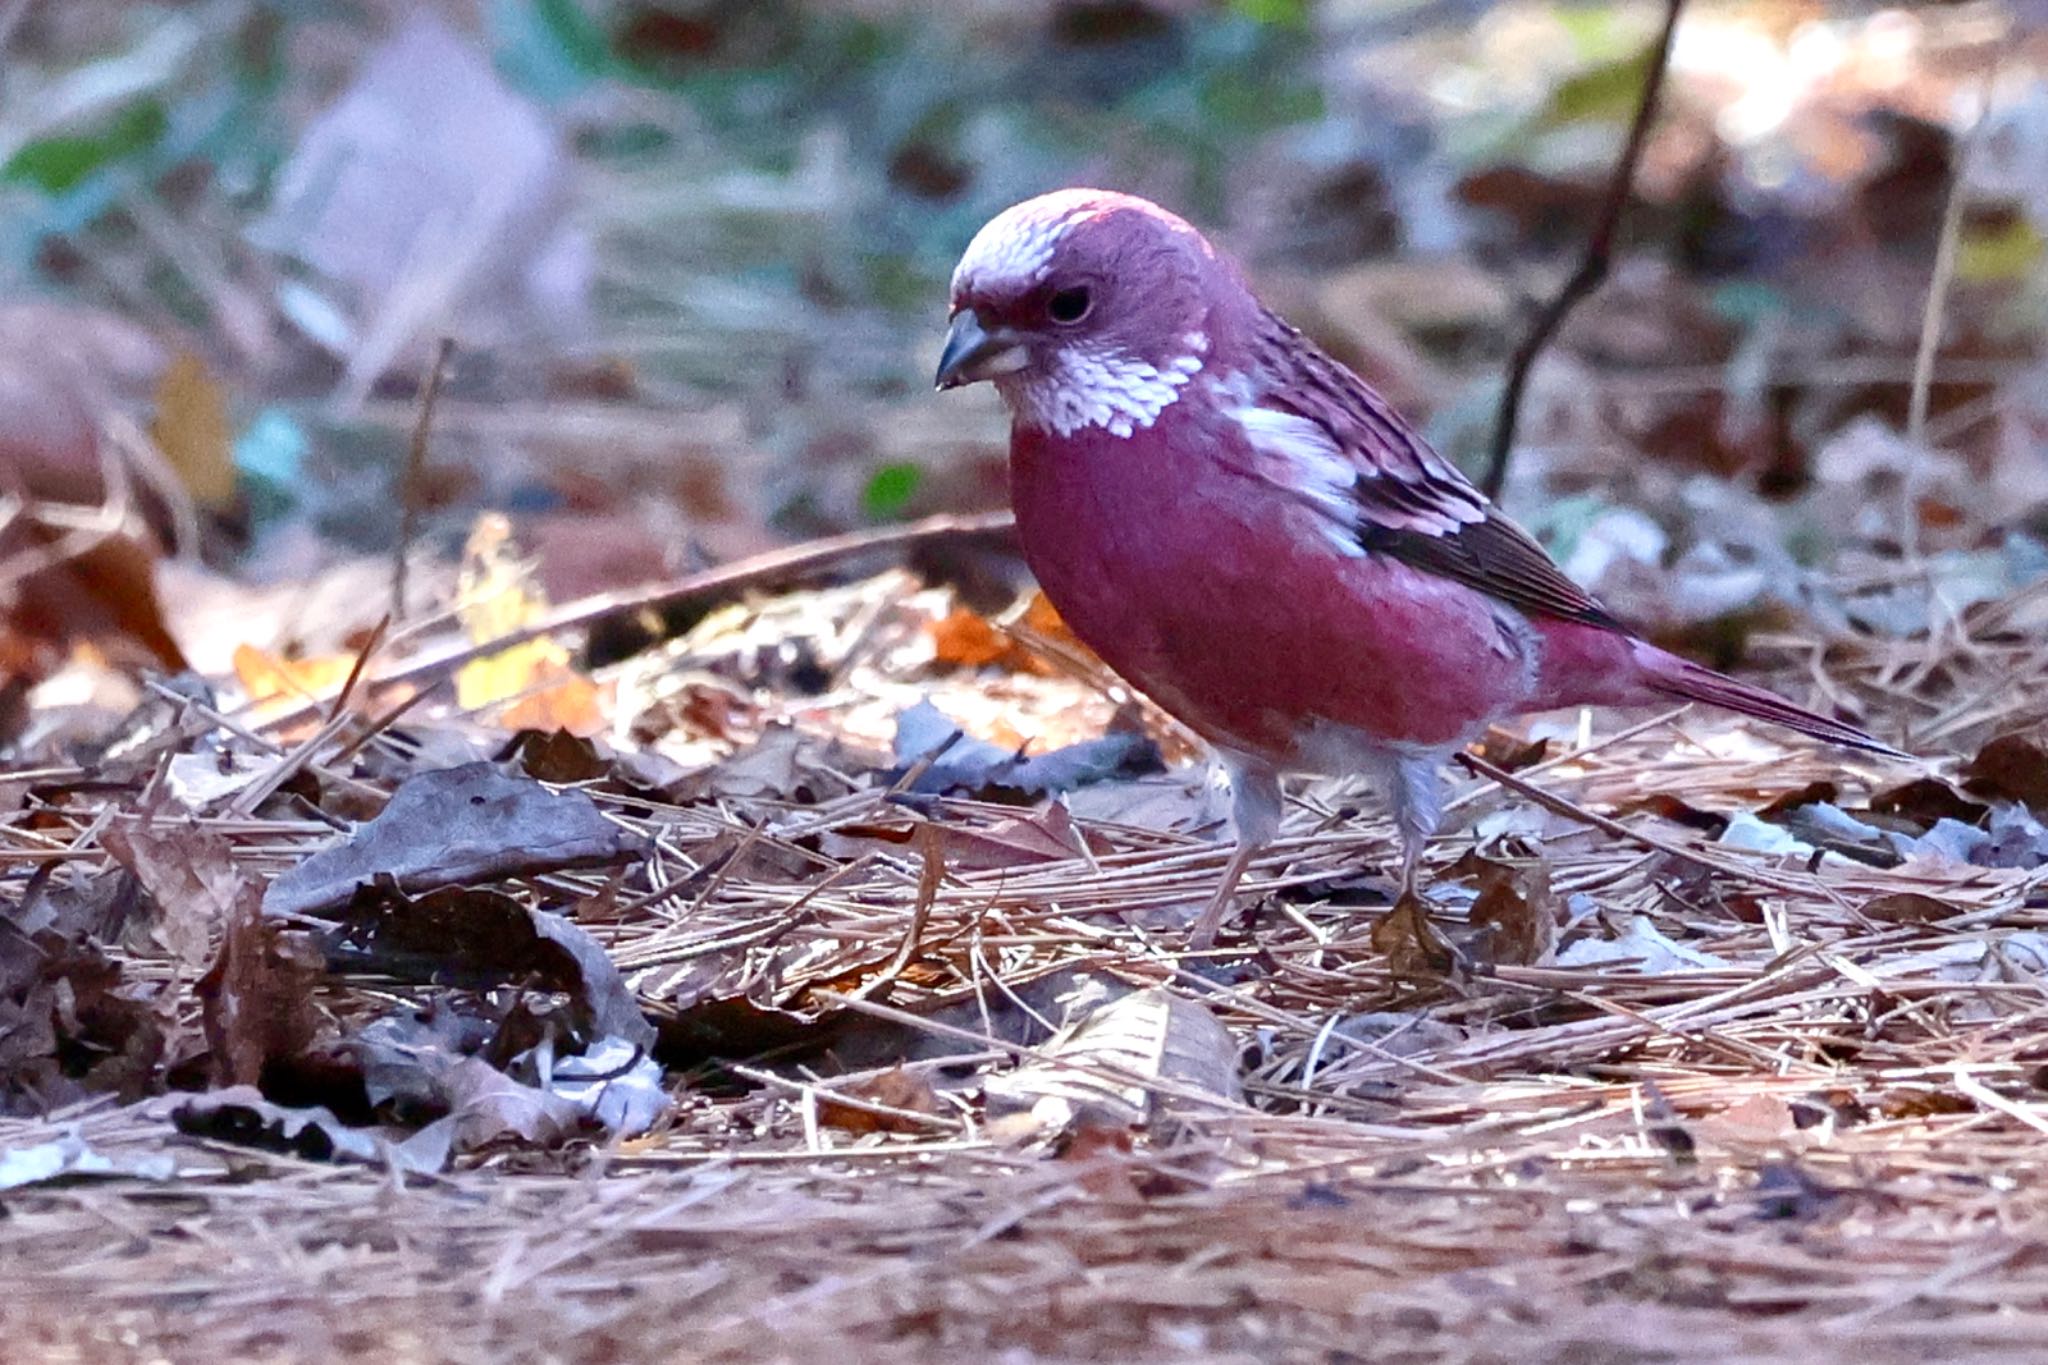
(1015,245)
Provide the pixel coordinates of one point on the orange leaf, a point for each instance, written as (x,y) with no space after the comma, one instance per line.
(965,639)
(267,678)
(573,704)
(898,1089)
(1043,617)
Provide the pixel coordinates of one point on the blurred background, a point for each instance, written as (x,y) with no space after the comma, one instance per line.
(693,257)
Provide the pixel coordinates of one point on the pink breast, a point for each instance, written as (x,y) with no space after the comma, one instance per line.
(1232,606)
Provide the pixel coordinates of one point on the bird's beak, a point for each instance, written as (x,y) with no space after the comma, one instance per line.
(974,353)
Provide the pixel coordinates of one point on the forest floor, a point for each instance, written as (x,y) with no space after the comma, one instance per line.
(416,945)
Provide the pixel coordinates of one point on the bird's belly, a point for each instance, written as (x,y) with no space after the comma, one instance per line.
(1242,616)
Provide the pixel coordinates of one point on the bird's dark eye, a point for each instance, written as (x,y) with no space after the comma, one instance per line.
(1069,305)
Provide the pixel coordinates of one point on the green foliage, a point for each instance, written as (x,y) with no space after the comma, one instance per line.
(1247,103)
(1241,80)
(550,47)
(2004,253)
(890,490)
(1280,13)
(1601,33)
(1607,93)
(59,163)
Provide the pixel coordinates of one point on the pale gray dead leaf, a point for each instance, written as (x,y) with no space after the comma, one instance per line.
(71,1155)
(486,1105)
(1830,819)
(1708,581)
(2020,956)
(2014,838)
(767,767)
(1182,799)
(418,1064)
(1097,1070)
(456,826)
(1616,535)
(1950,841)
(196,780)
(967,764)
(612,1081)
(1867,447)
(1643,947)
(1948,584)
(1745,831)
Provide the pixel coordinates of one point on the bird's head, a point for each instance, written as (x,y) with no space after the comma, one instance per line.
(1087,308)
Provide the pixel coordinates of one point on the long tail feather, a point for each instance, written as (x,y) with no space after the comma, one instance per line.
(1671,676)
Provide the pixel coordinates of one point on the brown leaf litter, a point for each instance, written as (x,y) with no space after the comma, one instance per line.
(760,1034)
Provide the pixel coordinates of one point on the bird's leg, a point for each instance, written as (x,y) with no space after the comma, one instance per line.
(1255,810)
(1411,859)
(1416,795)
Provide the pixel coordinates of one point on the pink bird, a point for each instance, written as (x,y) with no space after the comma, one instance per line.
(1246,532)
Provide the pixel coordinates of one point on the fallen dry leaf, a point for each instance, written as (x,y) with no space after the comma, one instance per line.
(1927,801)
(256,1000)
(1414,950)
(2013,767)
(453,826)
(189,876)
(963,638)
(557,757)
(1047,836)
(1510,752)
(192,430)
(104,593)
(71,1156)
(240,1114)
(479,938)
(69,1025)
(270,680)
(1907,907)
(1097,1071)
(958,762)
(896,1088)
(1515,911)
(575,705)
(410,1067)
(496,597)
(1812,794)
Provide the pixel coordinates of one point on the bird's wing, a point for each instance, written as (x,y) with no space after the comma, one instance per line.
(1330,438)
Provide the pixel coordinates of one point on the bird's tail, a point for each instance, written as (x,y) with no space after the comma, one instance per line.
(1667,675)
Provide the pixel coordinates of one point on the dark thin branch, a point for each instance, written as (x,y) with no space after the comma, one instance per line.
(412,483)
(1592,268)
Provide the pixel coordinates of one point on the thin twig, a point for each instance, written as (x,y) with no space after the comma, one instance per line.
(787,562)
(1571,810)
(930,876)
(1592,268)
(411,484)
(1937,303)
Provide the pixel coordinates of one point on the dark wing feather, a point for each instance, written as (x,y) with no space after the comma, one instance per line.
(1499,559)
(1412,504)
